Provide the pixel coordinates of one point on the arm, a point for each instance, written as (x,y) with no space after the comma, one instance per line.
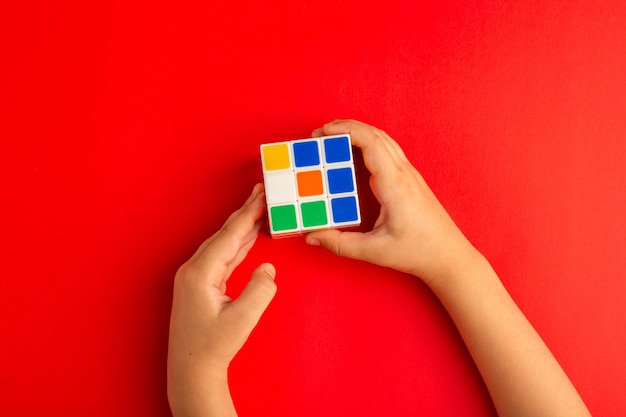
(522,376)
(207,328)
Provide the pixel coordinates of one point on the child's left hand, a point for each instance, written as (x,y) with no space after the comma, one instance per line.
(207,328)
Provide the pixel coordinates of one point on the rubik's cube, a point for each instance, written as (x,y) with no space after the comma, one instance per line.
(310,185)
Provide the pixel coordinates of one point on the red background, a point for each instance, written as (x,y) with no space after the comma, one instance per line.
(129,131)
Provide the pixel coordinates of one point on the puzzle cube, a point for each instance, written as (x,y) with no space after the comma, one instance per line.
(310,185)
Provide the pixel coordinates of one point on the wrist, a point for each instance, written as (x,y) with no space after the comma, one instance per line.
(189,371)
(193,388)
(461,261)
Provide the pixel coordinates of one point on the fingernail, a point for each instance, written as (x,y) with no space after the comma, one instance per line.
(256,191)
(269,270)
(313,242)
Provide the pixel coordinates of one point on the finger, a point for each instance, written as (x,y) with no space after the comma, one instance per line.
(390,143)
(380,156)
(377,155)
(242,252)
(239,257)
(394,146)
(258,188)
(246,245)
(256,296)
(243,225)
(353,245)
(240,230)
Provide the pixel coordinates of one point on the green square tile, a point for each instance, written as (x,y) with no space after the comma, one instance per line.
(314,213)
(283,218)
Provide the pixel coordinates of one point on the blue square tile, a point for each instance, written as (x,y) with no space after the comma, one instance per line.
(340,180)
(344,209)
(306,154)
(337,149)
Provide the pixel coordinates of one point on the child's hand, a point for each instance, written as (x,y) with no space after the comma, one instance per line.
(413,232)
(207,328)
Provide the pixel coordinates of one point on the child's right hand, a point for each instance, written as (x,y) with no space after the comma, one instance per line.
(413,232)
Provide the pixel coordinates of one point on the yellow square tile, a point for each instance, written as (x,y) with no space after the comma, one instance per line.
(276,157)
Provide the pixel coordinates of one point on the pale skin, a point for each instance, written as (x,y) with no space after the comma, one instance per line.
(207,328)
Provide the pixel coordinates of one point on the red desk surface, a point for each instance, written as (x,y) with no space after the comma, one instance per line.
(129,131)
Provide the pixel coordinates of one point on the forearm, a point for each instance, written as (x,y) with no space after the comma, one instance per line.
(197,391)
(520,372)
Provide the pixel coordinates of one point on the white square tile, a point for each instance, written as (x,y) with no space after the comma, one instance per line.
(280,187)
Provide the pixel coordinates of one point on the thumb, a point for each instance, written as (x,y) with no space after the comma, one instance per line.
(257,294)
(348,244)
